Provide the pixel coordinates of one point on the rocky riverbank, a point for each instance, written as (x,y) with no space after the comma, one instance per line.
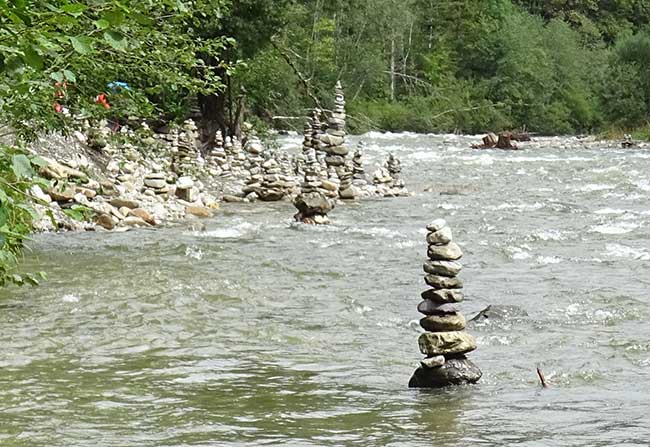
(105,180)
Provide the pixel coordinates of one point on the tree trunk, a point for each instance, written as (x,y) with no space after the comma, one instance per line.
(213,116)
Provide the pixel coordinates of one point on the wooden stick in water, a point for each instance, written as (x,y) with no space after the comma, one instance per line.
(541,377)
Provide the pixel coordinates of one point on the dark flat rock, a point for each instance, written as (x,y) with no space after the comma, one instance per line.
(455,371)
(428,307)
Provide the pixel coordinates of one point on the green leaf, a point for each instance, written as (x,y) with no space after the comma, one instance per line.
(57,76)
(82,45)
(116,40)
(4,198)
(21,166)
(4,215)
(39,161)
(69,76)
(33,59)
(74,9)
(102,24)
(115,18)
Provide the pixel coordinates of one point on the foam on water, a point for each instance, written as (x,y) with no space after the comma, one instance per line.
(615,228)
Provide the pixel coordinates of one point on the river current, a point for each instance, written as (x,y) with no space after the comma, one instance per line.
(257,331)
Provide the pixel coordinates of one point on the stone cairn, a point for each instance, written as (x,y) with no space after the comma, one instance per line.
(218,158)
(155,184)
(445,342)
(358,172)
(186,155)
(388,178)
(312,203)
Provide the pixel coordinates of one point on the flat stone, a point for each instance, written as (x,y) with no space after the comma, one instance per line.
(184,183)
(443,296)
(428,307)
(449,252)
(271,195)
(443,268)
(443,323)
(348,193)
(119,203)
(198,211)
(328,185)
(156,176)
(456,371)
(155,183)
(433,362)
(441,237)
(134,221)
(443,282)
(144,215)
(446,343)
(437,225)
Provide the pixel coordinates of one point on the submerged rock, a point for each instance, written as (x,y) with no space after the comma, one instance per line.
(455,371)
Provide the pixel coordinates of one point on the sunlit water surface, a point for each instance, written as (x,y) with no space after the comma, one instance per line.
(260,332)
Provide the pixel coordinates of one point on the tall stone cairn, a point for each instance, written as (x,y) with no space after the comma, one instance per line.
(186,156)
(334,145)
(445,341)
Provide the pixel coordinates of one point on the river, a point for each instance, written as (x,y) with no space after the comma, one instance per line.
(257,331)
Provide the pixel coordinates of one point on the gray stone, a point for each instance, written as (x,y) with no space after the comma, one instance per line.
(455,371)
(433,362)
(443,282)
(312,203)
(443,296)
(428,307)
(443,323)
(446,343)
(155,183)
(443,268)
(436,225)
(441,237)
(449,252)
(499,312)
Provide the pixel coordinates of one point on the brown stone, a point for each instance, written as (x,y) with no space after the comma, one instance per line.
(198,211)
(443,323)
(443,296)
(443,282)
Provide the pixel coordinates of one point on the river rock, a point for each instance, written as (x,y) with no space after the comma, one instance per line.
(443,282)
(441,237)
(449,252)
(443,268)
(428,307)
(313,203)
(120,202)
(437,225)
(433,362)
(443,295)
(198,211)
(455,371)
(446,343)
(155,183)
(144,215)
(105,221)
(441,323)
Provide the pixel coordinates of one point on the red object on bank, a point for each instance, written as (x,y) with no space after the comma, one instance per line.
(101,99)
(58,108)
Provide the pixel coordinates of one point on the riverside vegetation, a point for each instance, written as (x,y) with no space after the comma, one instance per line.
(550,67)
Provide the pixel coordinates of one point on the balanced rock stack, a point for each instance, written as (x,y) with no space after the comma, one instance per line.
(445,341)
(186,155)
(358,172)
(312,203)
(155,184)
(218,158)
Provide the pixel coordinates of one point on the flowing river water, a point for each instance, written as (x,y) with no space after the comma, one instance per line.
(256,331)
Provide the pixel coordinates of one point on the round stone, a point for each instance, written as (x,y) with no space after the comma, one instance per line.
(443,323)
(446,343)
(456,371)
(428,307)
(443,295)
(443,282)
(444,268)
(440,237)
(436,225)
(448,252)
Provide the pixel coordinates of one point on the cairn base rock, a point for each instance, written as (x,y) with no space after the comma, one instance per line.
(455,371)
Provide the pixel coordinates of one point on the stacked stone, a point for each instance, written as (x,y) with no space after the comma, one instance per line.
(358,172)
(345,174)
(312,202)
(186,155)
(394,167)
(156,184)
(445,341)
(218,158)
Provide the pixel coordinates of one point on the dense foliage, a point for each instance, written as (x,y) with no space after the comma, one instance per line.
(466,65)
